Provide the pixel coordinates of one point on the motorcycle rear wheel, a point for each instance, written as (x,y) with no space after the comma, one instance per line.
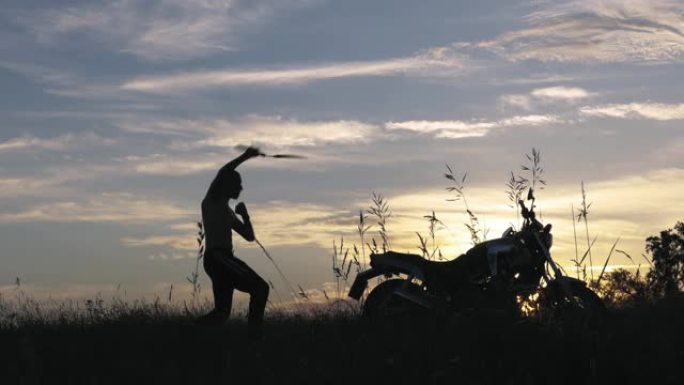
(581,307)
(384,303)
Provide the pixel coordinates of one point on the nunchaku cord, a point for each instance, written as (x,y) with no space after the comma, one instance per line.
(282,276)
(280,272)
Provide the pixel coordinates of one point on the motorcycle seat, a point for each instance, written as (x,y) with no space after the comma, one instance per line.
(428,266)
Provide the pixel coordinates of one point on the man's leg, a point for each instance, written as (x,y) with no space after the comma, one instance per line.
(223,294)
(222,288)
(247,280)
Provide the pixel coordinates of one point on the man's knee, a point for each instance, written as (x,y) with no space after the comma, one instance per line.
(261,289)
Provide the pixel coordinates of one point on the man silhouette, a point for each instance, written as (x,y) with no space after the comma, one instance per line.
(226,271)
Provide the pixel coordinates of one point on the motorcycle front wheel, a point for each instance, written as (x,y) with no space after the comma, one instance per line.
(575,305)
(383,302)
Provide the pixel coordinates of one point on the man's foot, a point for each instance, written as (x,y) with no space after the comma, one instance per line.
(214,317)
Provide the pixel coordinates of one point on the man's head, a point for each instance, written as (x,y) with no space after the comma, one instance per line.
(232,185)
(227,186)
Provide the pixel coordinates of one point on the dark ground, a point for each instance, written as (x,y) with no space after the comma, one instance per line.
(639,345)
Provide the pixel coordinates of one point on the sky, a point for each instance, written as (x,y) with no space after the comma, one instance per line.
(117,114)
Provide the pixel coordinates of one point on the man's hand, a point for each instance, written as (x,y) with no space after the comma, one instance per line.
(241,210)
(252,152)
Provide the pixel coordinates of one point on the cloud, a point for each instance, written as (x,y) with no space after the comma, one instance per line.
(279,223)
(180,164)
(292,223)
(107,207)
(546,96)
(52,181)
(655,111)
(673,152)
(444,128)
(569,94)
(175,164)
(188,163)
(273,133)
(66,83)
(277,132)
(39,73)
(424,63)
(18,186)
(282,223)
(529,120)
(22,186)
(58,143)
(597,31)
(517,100)
(458,129)
(158,29)
(171,256)
(182,242)
(289,135)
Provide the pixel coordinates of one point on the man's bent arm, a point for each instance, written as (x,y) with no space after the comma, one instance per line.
(244,229)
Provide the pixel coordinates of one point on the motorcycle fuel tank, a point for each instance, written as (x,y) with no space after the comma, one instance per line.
(485,257)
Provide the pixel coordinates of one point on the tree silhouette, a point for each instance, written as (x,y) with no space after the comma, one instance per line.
(623,288)
(667,252)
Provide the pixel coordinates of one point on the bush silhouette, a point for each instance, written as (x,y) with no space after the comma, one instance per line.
(667,251)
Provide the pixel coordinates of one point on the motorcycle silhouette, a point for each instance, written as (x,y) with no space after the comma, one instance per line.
(492,274)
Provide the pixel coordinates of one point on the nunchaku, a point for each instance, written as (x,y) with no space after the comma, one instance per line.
(277,156)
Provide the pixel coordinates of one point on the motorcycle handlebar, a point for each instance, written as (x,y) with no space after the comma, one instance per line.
(529,215)
(524,211)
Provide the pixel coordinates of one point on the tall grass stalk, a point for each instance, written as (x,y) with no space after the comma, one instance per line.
(433,228)
(381,210)
(341,270)
(515,187)
(361,229)
(574,233)
(536,170)
(598,281)
(422,246)
(170,296)
(193,278)
(473,224)
(583,213)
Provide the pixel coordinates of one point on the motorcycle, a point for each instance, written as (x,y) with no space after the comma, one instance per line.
(492,274)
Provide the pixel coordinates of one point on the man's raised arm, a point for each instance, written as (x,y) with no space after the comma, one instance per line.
(250,152)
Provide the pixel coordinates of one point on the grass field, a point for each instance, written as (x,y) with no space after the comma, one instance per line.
(642,344)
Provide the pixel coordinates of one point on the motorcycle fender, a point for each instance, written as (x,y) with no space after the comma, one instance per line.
(392,265)
(361,282)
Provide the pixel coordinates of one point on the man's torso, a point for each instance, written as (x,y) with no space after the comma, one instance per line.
(217,219)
